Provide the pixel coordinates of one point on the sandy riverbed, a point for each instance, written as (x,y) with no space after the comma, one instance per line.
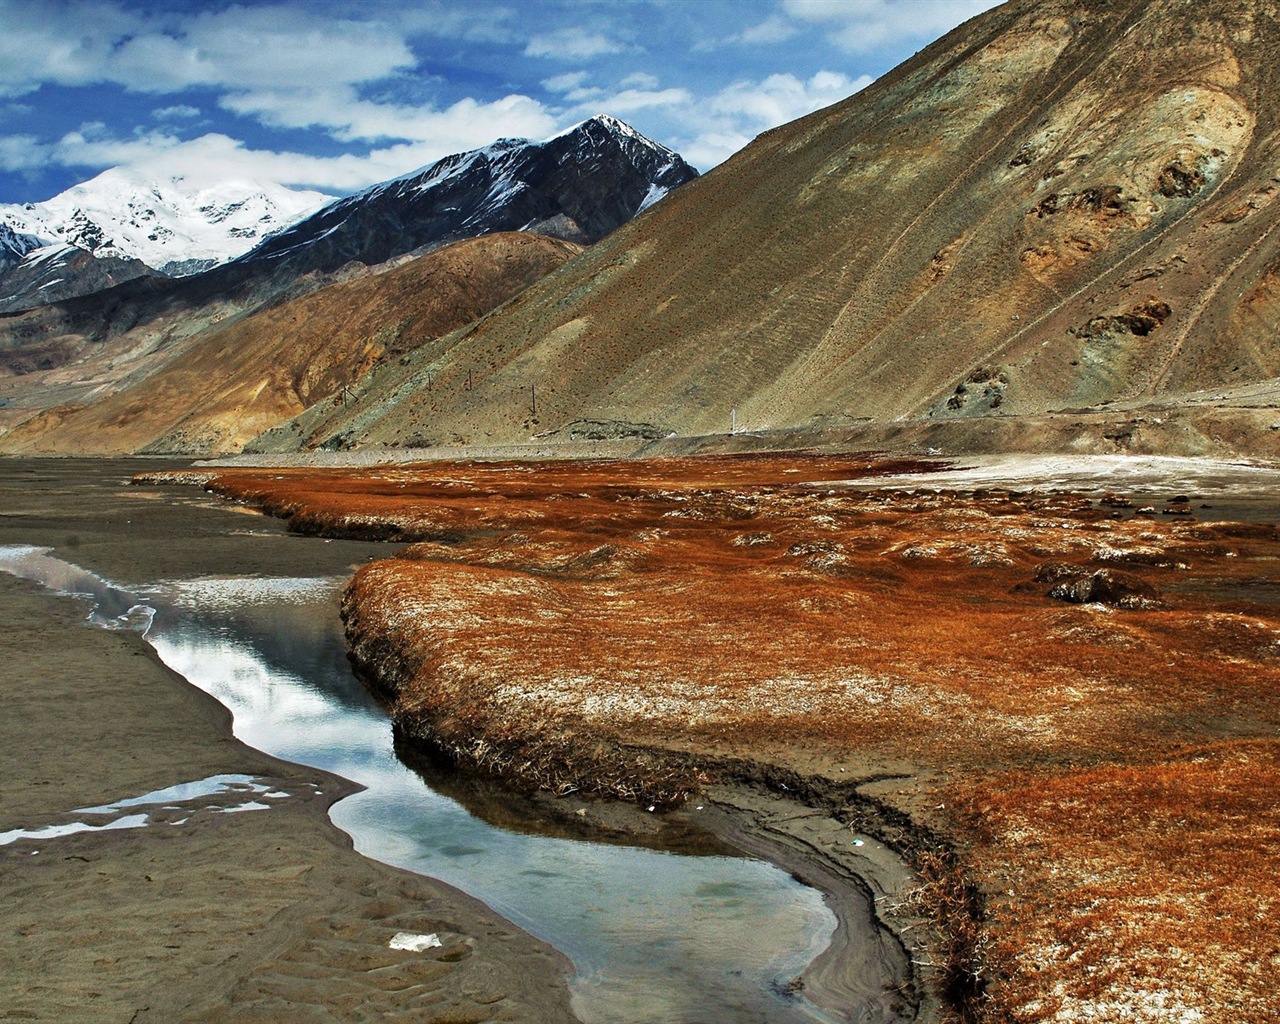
(257,917)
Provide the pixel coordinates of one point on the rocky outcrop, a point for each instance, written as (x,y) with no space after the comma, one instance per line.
(45,274)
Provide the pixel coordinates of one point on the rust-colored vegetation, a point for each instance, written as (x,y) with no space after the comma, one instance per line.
(1103,761)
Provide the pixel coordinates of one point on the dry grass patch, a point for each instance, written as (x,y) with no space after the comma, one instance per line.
(1135,893)
(637,628)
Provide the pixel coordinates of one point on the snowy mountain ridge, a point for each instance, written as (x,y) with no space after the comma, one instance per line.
(14,246)
(579,185)
(173,225)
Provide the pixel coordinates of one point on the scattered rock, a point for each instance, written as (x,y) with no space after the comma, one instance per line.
(611,430)
(984,384)
(1102,586)
(1140,321)
(1183,178)
(1106,200)
(1051,572)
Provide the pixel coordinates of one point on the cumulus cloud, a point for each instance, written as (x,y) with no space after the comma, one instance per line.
(215,157)
(640,80)
(628,101)
(567,82)
(869,24)
(22,153)
(237,47)
(261,47)
(362,75)
(708,128)
(286,66)
(37,47)
(782,98)
(462,125)
(574,88)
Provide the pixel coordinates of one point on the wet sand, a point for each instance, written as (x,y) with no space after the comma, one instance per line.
(267,916)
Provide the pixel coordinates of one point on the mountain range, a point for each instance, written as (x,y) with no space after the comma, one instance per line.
(577,186)
(1052,228)
(173,225)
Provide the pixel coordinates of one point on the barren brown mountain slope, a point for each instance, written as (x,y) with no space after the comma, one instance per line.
(231,384)
(1061,205)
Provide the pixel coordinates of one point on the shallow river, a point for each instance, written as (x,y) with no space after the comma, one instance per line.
(653,936)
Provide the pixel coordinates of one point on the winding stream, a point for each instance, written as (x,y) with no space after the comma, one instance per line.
(653,936)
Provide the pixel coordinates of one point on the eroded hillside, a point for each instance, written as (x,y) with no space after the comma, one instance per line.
(1061,215)
(231,384)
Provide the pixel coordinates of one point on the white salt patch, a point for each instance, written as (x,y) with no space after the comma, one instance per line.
(413,942)
(1089,473)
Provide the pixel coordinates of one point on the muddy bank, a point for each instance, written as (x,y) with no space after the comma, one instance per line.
(267,916)
(955,673)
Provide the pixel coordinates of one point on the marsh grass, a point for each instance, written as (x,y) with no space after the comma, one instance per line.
(1104,776)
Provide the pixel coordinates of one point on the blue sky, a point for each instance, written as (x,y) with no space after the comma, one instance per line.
(336,96)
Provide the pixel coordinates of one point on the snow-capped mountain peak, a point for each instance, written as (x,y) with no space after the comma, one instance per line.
(578,185)
(172,224)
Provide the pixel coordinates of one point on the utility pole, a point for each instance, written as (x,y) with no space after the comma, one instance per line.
(733,421)
(468,380)
(533,400)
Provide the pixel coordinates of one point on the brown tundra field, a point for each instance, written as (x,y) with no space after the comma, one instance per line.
(1061,710)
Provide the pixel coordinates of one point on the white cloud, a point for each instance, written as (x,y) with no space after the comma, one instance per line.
(567,82)
(22,153)
(772,30)
(708,148)
(238,47)
(573,87)
(286,66)
(244,48)
(782,98)
(463,125)
(571,44)
(180,111)
(869,24)
(628,101)
(720,125)
(216,157)
(640,80)
(48,42)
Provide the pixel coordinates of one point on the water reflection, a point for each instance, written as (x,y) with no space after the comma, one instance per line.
(653,936)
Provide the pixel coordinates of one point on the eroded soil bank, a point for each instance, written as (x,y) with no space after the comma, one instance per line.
(1061,708)
(257,917)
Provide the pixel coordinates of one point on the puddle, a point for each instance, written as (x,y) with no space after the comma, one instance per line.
(654,936)
(186,799)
